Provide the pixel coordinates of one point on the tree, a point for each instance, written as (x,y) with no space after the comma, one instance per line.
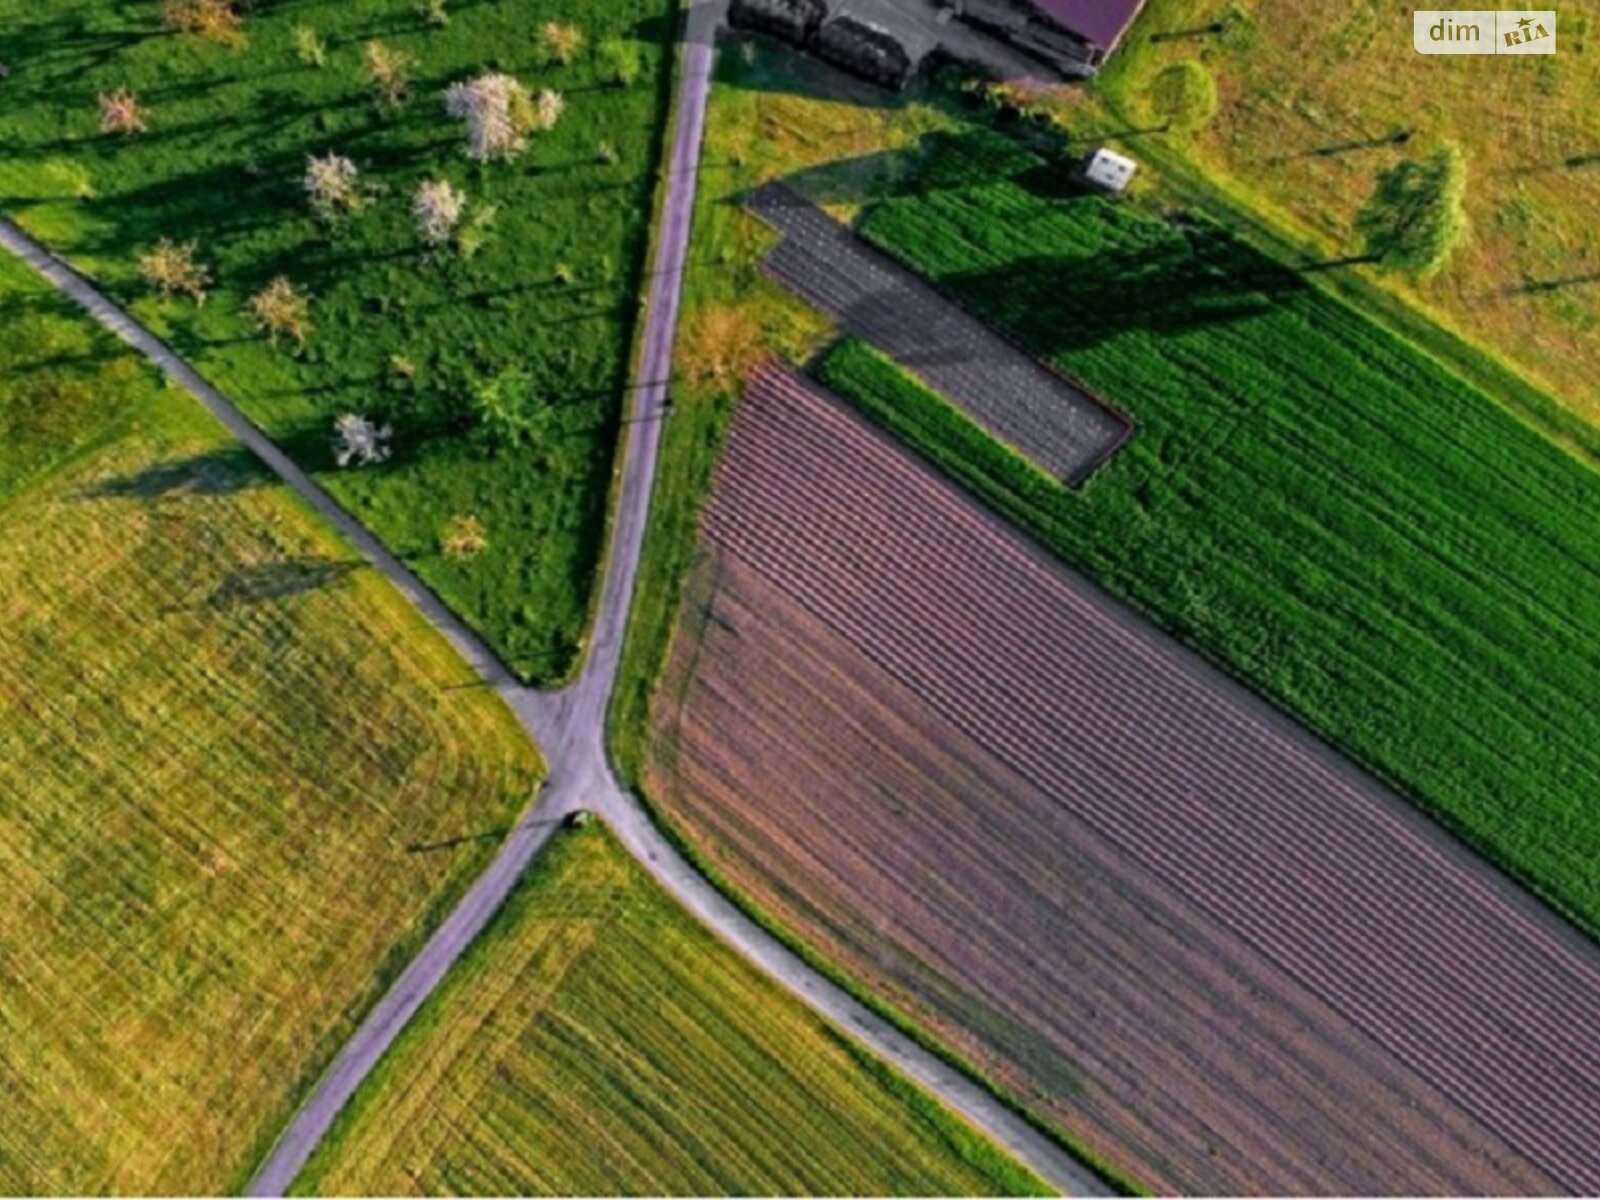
(620,61)
(464,538)
(171,268)
(434,12)
(438,208)
(499,114)
(389,71)
(359,440)
(210,20)
(474,234)
(508,410)
(562,42)
(1184,97)
(333,184)
(120,112)
(547,110)
(279,309)
(309,47)
(1415,217)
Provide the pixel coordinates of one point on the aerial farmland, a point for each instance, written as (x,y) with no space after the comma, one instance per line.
(797,597)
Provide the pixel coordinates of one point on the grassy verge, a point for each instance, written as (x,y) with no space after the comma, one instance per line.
(240,779)
(595,1040)
(548,306)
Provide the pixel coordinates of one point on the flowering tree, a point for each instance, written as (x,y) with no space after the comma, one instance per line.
(390,72)
(562,42)
(360,441)
(279,309)
(498,113)
(210,20)
(120,112)
(438,208)
(547,110)
(171,269)
(332,182)
(464,537)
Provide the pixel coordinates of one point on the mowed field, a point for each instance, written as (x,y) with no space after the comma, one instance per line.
(1139,899)
(1308,499)
(235,778)
(597,1041)
(1311,98)
(537,323)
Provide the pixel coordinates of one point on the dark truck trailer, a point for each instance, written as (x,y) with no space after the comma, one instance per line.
(865,50)
(795,21)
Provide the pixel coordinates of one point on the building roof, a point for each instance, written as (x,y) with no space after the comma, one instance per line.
(1102,22)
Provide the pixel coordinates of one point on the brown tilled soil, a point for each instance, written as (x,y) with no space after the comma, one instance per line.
(1161,914)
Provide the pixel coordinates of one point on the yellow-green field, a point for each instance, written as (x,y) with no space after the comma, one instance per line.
(596,1040)
(1310,92)
(224,750)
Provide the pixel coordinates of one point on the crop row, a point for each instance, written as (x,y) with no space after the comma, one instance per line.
(1437,960)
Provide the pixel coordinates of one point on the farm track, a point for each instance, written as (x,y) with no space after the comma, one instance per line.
(1021,400)
(569,725)
(1453,972)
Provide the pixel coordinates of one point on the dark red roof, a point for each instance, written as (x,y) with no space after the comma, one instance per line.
(1102,22)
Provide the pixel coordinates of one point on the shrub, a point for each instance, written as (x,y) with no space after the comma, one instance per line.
(1184,97)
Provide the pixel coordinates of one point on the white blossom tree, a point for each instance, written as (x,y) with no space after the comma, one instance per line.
(438,208)
(548,109)
(333,184)
(360,441)
(498,111)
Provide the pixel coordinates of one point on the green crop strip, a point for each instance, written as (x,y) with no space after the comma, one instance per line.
(1309,500)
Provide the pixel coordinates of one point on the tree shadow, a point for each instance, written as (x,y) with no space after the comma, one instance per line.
(1397,137)
(274,582)
(1202,276)
(1541,287)
(220,472)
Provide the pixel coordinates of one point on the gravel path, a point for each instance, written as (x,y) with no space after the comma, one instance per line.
(997,383)
(569,725)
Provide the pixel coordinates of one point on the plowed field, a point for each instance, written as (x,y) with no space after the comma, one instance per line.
(1166,918)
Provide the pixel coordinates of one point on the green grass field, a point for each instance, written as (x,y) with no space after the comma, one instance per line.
(396,334)
(225,750)
(1309,500)
(597,1041)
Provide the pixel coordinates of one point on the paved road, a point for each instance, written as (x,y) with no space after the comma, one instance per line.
(569,725)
